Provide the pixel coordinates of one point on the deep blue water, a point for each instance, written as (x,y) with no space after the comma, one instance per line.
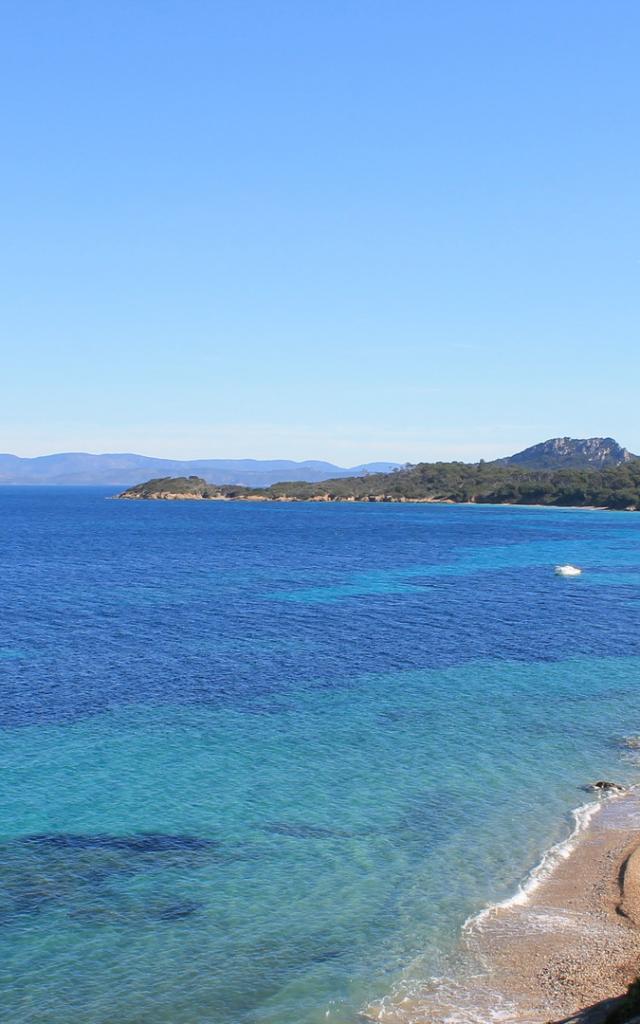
(245,747)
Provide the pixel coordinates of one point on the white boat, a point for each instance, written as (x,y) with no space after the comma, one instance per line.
(567,570)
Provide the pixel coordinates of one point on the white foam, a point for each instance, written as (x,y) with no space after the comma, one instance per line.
(471,998)
(470,1001)
(582,816)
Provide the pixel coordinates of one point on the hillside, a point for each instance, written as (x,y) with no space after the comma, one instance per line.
(571,453)
(488,483)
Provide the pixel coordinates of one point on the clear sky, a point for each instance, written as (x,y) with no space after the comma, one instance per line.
(320,228)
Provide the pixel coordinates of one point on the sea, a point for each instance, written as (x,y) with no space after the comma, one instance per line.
(260,762)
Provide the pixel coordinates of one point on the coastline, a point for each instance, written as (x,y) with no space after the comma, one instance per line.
(563,948)
(326,500)
(567,943)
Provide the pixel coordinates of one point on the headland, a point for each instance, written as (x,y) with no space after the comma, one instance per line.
(616,487)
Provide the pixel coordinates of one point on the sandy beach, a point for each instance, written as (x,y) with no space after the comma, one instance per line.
(573,944)
(563,948)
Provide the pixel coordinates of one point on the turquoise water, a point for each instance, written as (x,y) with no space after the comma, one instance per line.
(259,763)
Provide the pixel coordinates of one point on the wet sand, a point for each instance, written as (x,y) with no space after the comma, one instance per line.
(575,943)
(563,948)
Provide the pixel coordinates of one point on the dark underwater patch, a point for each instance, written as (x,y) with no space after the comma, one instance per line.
(324,956)
(86,875)
(140,842)
(179,910)
(301,831)
(137,912)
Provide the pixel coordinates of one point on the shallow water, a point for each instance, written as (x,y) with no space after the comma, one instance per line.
(260,762)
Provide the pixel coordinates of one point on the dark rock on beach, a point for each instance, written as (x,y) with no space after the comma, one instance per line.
(602,786)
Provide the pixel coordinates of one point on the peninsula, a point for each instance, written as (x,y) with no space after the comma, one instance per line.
(592,473)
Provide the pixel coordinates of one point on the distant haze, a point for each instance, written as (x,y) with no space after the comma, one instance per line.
(81,468)
(125,469)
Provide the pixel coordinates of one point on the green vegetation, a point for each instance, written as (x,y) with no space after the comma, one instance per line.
(173,486)
(483,482)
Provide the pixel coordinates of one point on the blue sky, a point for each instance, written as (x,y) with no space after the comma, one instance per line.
(318,229)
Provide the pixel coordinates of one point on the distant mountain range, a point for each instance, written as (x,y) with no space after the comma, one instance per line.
(122,470)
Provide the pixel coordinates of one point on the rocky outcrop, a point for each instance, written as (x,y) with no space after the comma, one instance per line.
(571,453)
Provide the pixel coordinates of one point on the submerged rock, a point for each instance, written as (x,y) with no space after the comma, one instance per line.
(176,911)
(140,842)
(301,831)
(82,874)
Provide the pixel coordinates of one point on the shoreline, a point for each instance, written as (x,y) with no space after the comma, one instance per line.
(563,948)
(566,944)
(169,496)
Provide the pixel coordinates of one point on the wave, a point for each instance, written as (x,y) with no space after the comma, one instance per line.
(469,992)
(560,851)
